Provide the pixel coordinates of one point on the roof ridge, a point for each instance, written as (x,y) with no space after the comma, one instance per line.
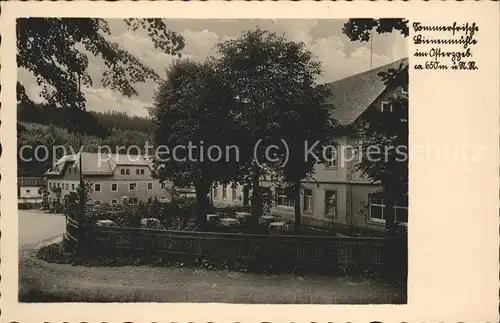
(366,72)
(352,95)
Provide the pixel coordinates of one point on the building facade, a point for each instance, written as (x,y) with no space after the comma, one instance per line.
(30,189)
(338,193)
(111,176)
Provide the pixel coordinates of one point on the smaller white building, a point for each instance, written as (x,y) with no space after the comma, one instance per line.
(30,189)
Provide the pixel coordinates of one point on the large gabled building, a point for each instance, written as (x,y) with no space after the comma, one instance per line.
(338,194)
(112,176)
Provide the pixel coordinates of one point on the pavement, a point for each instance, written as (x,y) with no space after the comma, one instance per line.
(36,226)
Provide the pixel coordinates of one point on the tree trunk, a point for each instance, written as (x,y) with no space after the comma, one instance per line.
(202,204)
(256,202)
(298,214)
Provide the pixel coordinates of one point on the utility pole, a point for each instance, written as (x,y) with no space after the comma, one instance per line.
(80,166)
(371,49)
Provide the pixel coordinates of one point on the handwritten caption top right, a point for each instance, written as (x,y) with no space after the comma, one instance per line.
(445,47)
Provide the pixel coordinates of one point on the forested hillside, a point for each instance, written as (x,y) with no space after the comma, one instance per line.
(47,127)
(96,123)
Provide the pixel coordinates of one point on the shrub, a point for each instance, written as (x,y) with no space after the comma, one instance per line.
(24,206)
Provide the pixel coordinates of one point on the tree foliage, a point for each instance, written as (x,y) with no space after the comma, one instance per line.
(56,51)
(193,108)
(273,80)
(386,130)
(360,28)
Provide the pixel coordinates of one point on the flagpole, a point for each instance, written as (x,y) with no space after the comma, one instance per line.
(371,49)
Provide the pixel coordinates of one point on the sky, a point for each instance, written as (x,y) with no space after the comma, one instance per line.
(339,56)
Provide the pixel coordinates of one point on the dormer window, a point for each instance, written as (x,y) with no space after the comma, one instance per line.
(385,106)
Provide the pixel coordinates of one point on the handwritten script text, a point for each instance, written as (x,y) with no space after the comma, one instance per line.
(446,47)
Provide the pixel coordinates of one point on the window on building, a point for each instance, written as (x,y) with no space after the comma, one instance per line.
(224,192)
(385,106)
(401,210)
(331,157)
(97,202)
(122,171)
(285,197)
(132,186)
(307,200)
(137,171)
(142,171)
(331,204)
(133,200)
(216,192)
(150,186)
(28,191)
(114,201)
(234,194)
(376,211)
(114,187)
(127,171)
(97,187)
(377,205)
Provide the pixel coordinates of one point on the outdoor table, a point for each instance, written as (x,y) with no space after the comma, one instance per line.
(228,222)
(242,215)
(212,216)
(105,223)
(150,221)
(267,218)
(278,226)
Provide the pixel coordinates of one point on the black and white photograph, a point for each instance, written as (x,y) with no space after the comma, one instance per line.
(231,161)
(249,161)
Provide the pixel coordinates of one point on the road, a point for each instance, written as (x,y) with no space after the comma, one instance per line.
(35,226)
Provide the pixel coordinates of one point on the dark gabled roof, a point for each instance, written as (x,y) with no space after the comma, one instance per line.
(31,181)
(351,96)
(98,164)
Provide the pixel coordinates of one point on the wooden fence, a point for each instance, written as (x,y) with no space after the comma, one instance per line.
(311,250)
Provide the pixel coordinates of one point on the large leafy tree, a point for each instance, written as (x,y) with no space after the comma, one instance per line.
(272,80)
(386,130)
(308,129)
(56,51)
(192,107)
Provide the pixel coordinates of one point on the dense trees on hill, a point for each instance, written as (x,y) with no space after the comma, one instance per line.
(95,123)
(50,115)
(60,141)
(121,120)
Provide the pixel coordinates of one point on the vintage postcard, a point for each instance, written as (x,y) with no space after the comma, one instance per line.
(249,161)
